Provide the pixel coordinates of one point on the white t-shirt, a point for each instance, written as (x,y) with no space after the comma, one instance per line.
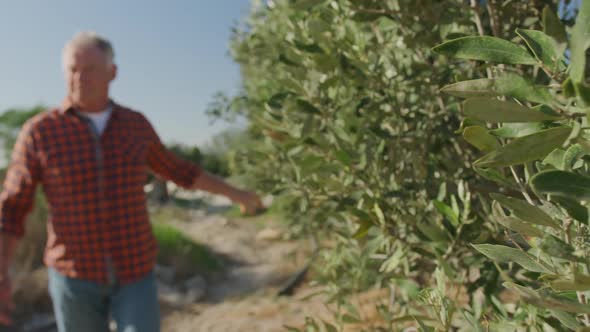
(99,119)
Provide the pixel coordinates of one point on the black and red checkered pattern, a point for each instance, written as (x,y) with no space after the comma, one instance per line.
(95,190)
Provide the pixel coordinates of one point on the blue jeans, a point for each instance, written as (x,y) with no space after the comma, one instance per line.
(82,305)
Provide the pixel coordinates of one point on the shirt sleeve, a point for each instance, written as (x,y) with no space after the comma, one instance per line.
(22,176)
(167,165)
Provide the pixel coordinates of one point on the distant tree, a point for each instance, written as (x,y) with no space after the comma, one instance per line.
(11,121)
(215,161)
(225,149)
(186,152)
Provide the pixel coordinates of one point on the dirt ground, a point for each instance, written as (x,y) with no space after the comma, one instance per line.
(245,297)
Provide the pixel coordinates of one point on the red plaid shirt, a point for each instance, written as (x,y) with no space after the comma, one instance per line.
(94,187)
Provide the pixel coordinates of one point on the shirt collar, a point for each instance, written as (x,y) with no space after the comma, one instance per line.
(68,107)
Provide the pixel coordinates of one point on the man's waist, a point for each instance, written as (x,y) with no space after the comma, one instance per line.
(114,267)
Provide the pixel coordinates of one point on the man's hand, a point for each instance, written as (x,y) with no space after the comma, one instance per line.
(55,258)
(250,203)
(6,301)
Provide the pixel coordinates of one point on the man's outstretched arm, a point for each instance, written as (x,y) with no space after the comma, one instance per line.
(249,202)
(191,176)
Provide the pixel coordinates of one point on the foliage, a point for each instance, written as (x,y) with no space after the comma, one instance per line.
(535,130)
(337,112)
(343,98)
(213,161)
(10,123)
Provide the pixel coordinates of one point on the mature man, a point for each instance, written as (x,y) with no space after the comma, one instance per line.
(91,156)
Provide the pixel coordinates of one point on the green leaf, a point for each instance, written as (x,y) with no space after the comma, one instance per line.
(544,48)
(292,85)
(503,254)
(573,208)
(519,226)
(480,138)
(492,110)
(363,229)
(555,247)
(379,213)
(568,88)
(567,319)
(526,149)
(306,4)
(423,326)
(360,214)
(482,87)
(582,278)
(284,59)
(579,43)
(572,155)
(329,327)
(583,93)
(473,322)
(309,48)
(514,130)
(494,175)
(393,261)
(485,48)
(361,16)
(343,157)
(567,285)
(276,101)
(447,211)
(498,305)
(432,232)
(525,211)
(562,184)
(553,27)
(504,325)
(409,318)
(516,86)
(544,299)
(555,158)
(350,319)
(307,107)
(511,85)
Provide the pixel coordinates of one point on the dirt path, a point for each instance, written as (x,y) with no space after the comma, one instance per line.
(244,298)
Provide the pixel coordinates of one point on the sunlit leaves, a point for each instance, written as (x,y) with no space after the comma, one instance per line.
(487,49)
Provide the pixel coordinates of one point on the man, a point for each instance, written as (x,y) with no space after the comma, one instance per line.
(91,156)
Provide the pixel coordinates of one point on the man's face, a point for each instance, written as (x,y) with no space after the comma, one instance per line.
(88,73)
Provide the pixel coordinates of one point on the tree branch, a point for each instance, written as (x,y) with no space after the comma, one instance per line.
(494,19)
(478,23)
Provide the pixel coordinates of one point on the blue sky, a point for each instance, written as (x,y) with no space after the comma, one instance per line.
(172,56)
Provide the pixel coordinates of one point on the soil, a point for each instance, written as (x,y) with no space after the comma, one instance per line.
(245,297)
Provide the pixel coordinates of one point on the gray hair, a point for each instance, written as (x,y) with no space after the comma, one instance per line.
(91,39)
